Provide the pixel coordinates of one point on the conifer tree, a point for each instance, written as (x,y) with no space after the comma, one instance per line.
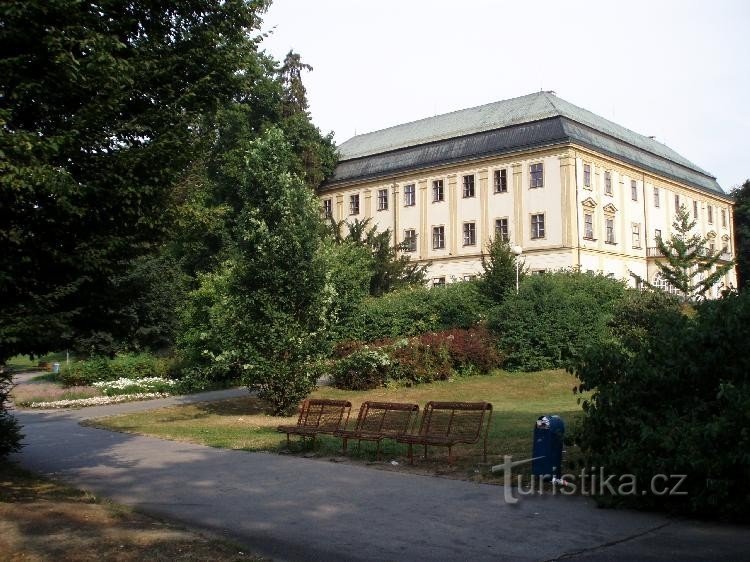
(689,265)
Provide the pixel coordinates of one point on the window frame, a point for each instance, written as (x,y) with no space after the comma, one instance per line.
(536,177)
(438,187)
(438,282)
(710,213)
(328,208)
(354,210)
(607,182)
(410,195)
(469,230)
(501,180)
(441,230)
(410,241)
(469,186)
(634,190)
(657,198)
(609,231)
(587,175)
(502,228)
(383,199)
(635,231)
(539,228)
(588,226)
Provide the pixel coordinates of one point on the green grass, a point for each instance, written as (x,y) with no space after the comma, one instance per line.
(517,398)
(25,363)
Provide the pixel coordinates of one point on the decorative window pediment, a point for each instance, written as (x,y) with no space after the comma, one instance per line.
(610,208)
(589,203)
(711,234)
(725,237)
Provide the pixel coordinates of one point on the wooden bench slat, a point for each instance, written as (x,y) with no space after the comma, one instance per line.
(381,420)
(318,415)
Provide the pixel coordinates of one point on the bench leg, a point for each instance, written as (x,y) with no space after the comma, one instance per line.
(377,453)
(450,459)
(344,444)
(411,454)
(288,443)
(425,451)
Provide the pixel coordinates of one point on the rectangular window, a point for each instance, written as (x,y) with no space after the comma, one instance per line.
(636,228)
(676,202)
(723,218)
(470,277)
(656,197)
(327,208)
(382,199)
(695,210)
(354,204)
(609,224)
(410,195)
(608,183)
(470,234)
(657,234)
(469,186)
(588,226)
(587,175)
(536,172)
(710,211)
(410,240)
(537,226)
(438,237)
(501,181)
(438,282)
(633,190)
(438,193)
(501,229)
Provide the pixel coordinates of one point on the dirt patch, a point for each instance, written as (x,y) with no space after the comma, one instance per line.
(44,520)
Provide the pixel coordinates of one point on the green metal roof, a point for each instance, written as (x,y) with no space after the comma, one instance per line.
(607,136)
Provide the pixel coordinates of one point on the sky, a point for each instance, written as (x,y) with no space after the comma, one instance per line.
(677,70)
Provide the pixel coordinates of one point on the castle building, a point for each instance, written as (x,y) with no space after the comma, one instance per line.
(572,189)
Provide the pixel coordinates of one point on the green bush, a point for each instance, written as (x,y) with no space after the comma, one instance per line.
(553,318)
(414,311)
(129,366)
(364,369)
(672,396)
(10,431)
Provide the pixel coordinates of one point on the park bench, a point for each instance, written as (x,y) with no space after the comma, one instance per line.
(381,420)
(318,415)
(446,424)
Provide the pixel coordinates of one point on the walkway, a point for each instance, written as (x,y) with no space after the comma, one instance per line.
(306,509)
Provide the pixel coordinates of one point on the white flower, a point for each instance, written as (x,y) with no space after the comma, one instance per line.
(97,400)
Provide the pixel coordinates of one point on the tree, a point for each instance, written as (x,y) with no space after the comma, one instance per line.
(263,314)
(690,267)
(10,433)
(500,266)
(390,270)
(103,106)
(741,224)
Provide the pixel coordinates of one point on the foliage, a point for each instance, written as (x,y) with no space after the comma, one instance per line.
(553,318)
(362,370)
(103,106)
(689,266)
(413,311)
(10,431)
(122,386)
(128,365)
(264,314)
(421,359)
(675,400)
(389,270)
(741,227)
(500,266)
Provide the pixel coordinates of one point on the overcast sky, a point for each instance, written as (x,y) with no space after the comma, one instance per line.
(678,70)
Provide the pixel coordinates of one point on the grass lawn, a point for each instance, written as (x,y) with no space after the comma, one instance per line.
(517,398)
(25,363)
(43,520)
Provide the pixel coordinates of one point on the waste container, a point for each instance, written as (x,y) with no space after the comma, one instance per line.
(549,433)
(55,367)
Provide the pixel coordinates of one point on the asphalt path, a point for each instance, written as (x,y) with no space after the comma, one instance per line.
(292,508)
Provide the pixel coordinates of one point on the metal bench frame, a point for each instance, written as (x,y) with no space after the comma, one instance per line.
(461,426)
(318,416)
(380,420)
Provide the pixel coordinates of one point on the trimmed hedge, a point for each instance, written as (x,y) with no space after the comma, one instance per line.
(554,317)
(129,366)
(413,311)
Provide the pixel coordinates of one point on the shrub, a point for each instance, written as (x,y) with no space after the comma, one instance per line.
(10,431)
(473,349)
(364,369)
(417,362)
(414,311)
(674,399)
(553,318)
(128,366)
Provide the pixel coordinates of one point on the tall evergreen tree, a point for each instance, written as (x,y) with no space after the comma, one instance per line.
(690,267)
(103,106)
(500,267)
(741,225)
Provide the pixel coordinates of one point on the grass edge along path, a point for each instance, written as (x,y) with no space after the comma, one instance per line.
(243,423)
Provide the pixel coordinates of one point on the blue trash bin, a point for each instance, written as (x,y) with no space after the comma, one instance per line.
(549,433)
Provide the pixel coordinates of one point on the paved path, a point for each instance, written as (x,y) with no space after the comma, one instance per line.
(308,509)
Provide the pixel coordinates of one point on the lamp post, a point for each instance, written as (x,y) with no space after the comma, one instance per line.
(517,250)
